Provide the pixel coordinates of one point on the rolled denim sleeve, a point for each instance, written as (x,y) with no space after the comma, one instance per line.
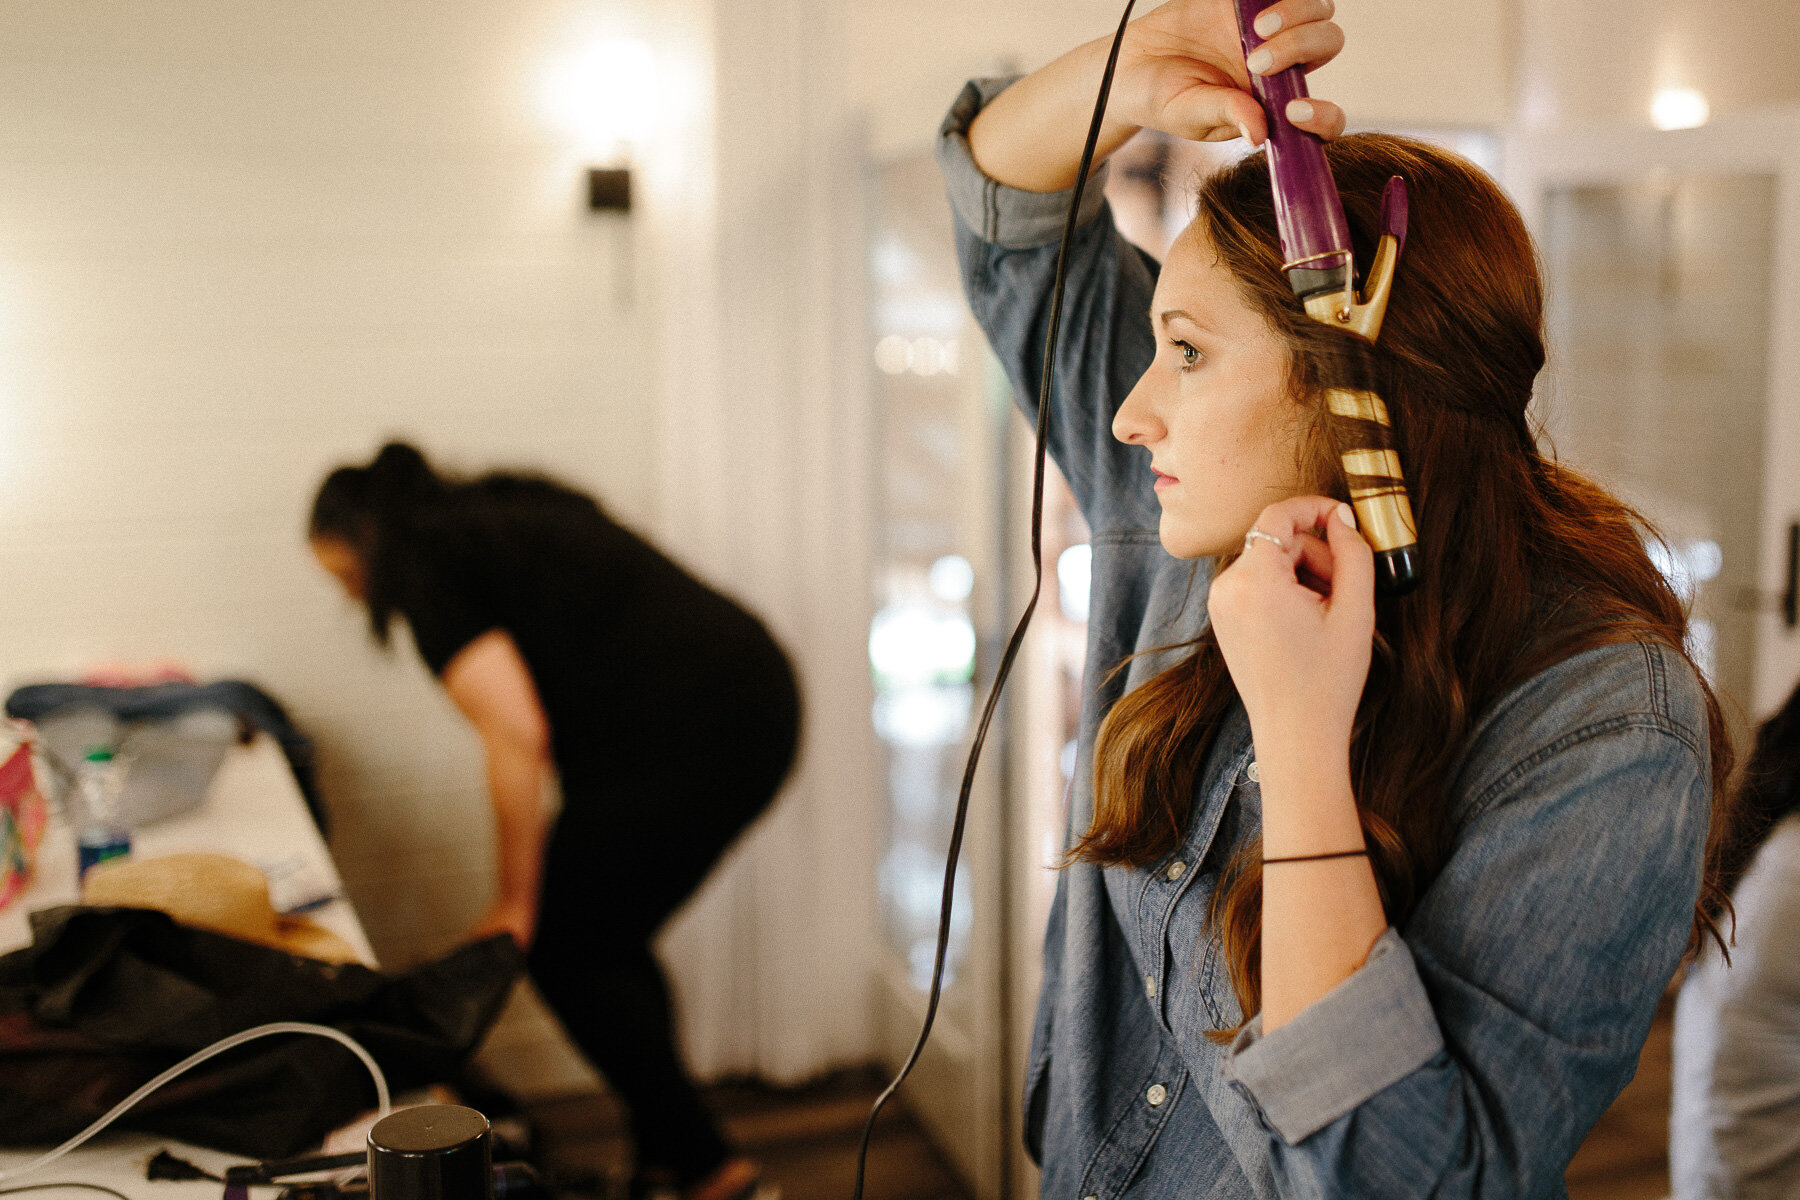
(1005,216)
(1006,245)
(1370,1031)
(1476,1047)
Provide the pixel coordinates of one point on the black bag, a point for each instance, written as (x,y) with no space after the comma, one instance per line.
(105,998)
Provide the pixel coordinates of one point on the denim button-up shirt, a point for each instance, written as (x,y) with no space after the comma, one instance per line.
(1478,1043)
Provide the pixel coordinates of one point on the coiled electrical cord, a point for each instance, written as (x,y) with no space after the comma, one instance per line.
(383,1102)
(1018,634)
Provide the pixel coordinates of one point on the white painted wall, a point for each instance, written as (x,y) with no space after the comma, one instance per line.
(240,242)
(1595,61)
(1408,62)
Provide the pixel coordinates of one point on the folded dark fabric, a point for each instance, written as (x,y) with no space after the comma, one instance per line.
(104,999)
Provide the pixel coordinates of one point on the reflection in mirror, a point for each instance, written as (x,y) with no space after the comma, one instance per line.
(1659,327)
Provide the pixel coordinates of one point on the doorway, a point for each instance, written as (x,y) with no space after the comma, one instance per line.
(1675,364)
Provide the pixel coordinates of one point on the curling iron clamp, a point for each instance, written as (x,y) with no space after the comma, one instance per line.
(1321,268)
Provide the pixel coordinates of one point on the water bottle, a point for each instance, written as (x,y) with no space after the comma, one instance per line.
(100,829)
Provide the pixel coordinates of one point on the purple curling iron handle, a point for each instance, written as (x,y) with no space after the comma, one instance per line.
(1315,238)
(1321,268)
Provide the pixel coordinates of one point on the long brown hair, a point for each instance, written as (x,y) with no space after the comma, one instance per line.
(1526,561)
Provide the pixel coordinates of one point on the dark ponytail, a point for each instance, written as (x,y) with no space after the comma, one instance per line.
(369,509)
(1769,789)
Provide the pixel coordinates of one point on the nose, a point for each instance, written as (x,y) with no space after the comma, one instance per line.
(1136,423)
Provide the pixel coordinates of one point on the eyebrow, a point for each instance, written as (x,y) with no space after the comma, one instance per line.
(1171,313)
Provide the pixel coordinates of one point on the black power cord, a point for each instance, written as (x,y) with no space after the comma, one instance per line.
(1018,634)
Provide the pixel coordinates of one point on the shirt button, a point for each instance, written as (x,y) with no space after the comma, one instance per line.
(1157,1094)
(1150,986)
(1254,774)
(1176,870)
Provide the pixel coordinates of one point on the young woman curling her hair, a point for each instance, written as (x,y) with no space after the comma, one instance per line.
(1366,897)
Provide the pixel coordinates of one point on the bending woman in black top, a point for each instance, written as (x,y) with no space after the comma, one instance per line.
(668,712)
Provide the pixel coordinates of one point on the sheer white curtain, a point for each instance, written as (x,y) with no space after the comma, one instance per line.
(764,467)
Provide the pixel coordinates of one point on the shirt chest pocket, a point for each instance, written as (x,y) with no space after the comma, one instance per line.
(1200,996)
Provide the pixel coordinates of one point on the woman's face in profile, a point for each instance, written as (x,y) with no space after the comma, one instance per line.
(342,562)
(1224,435)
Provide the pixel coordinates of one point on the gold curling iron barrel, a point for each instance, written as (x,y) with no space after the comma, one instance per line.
(1359,417)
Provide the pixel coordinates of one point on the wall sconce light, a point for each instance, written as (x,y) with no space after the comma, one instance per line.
(1679,108)
(609,189)
(605,99)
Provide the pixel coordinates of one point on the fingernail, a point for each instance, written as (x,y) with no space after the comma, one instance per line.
(1268,24)
(1299,111)
(1259,62)
(1346,514)
(1244,132)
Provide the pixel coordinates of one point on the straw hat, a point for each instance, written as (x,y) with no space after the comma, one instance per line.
(211,891)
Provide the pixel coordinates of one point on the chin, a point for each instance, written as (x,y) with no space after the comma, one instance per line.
(1185,543)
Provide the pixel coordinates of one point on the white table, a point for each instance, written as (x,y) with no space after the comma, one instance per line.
(253,811)
(118,1161)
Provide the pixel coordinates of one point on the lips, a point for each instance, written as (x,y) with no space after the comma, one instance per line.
(1163,479)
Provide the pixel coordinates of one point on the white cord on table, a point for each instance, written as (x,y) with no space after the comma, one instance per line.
(382,1101)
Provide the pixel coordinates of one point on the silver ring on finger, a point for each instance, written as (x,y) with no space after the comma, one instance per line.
(1255,534)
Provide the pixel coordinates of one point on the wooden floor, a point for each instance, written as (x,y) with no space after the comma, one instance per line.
(806,1139)
(1626,1157)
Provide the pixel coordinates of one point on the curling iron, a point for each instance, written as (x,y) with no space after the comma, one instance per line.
(1321,268)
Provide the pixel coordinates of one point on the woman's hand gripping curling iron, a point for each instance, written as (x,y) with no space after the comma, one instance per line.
(1181,70)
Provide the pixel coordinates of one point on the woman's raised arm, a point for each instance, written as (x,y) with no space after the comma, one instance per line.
(1181,70)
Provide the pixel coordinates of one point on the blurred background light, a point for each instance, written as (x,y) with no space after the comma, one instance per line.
(952,579)
(1679,108)
(1688,565)
(1074,577)
(913,644)
(605,98)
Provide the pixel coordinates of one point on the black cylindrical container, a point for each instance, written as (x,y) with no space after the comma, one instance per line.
(432,1152)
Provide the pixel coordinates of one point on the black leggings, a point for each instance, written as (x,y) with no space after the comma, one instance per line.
(615,1004)
(617,865)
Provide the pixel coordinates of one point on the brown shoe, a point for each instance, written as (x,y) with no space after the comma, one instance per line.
(737,1179)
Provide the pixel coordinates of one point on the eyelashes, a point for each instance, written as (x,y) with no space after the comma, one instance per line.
(1189,354)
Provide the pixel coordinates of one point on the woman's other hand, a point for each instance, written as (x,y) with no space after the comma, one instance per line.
(1296,624)
(517,918)
(1182,69)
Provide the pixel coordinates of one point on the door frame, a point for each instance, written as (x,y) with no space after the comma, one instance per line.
(1765,142)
